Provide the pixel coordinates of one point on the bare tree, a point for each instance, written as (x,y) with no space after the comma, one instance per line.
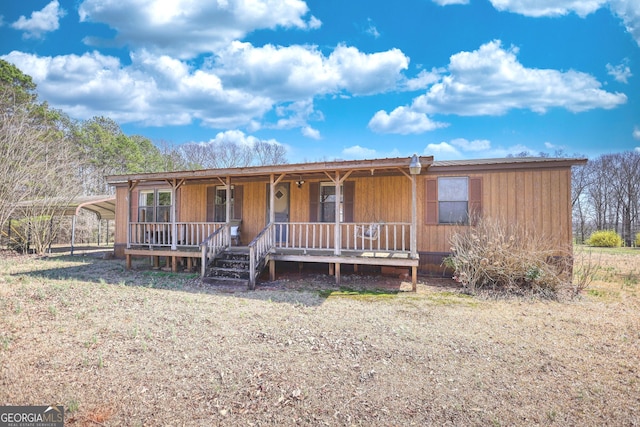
(231,154)
(36,172)
(269,153)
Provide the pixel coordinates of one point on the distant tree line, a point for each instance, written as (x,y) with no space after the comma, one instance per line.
(48,157)
(606,196)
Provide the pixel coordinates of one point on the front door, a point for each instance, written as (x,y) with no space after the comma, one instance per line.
(281,209)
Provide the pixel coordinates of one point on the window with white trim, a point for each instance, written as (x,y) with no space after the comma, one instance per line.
(221,203)
(328,202)
(154,206)
(453,200)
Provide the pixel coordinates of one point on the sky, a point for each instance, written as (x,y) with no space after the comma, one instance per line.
(356,79)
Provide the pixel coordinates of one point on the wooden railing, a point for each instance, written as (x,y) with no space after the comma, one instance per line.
(189,234)
(258,250)
(389,236)
(215,243)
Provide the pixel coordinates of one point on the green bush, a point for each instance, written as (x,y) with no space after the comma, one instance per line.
(637,240)
(605,239)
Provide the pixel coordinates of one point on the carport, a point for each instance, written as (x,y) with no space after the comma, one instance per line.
(103,206)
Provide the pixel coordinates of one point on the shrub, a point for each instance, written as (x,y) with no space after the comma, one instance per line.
(637,240)
(605,239)
(500,256)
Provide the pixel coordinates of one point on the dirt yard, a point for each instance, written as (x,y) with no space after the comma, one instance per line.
(150,348)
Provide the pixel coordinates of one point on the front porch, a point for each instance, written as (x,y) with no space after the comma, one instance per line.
(380,244)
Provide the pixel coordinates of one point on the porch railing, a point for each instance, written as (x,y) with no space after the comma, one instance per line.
(215,243)
(258,250)
(189,234)
(388,236)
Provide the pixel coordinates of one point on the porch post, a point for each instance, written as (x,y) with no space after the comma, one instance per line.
(414,218)
(272,200)
(337,249)
(414,169)
(227,213)
(129,189)
(174,226)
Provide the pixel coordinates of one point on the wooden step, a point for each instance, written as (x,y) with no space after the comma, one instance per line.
(226,281)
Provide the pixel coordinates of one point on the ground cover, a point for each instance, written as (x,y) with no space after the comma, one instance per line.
(150,348)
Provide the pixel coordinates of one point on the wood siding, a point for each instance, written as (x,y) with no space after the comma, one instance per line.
(536,198)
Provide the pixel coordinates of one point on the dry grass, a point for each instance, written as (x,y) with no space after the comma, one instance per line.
(152,348)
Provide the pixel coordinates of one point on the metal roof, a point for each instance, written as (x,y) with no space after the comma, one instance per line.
(104,206)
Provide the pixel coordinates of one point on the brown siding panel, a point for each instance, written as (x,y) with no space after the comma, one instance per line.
(431,201)
(237,201)
(475,198)
(314,200)
(349,194)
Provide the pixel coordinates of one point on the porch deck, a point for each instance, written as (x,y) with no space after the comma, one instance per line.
(330,243)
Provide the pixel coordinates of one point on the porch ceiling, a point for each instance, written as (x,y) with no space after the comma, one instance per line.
(391,166)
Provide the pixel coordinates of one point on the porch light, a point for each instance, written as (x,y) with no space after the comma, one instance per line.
(299,183)
(415,167)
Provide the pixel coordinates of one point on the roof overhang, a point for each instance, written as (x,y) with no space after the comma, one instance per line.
(390,166)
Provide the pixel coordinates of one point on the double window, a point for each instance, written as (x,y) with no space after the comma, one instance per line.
(154,206)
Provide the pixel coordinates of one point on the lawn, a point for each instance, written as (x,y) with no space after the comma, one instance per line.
(150,348)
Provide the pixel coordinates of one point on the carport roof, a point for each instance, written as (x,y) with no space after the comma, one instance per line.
(104,206)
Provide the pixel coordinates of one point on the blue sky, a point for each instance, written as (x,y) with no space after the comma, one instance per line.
(456,79)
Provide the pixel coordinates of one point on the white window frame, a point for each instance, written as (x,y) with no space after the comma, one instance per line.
(153,211)
(453,193)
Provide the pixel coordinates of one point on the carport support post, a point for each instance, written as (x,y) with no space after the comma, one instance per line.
(73,232)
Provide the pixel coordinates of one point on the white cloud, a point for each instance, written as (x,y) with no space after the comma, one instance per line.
(475,145)
(299,72)
(442,151)
(636,132)
(403,121)
(491,81)
(365,74)
(40,22)
(310,132)
(186,28)
(153,90)
(238,88)
(539,8)
(629,12)
(620,73)
(358,152)
(423,80)
(371,29)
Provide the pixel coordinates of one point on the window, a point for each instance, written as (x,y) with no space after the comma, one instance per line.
(322,201)
(453,200)
(221,203)
(328,202)
(154,206)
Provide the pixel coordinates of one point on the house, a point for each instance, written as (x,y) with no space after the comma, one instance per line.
(393,213)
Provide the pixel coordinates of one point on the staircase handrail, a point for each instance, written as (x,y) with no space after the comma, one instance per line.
(212,245)
(259,247)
